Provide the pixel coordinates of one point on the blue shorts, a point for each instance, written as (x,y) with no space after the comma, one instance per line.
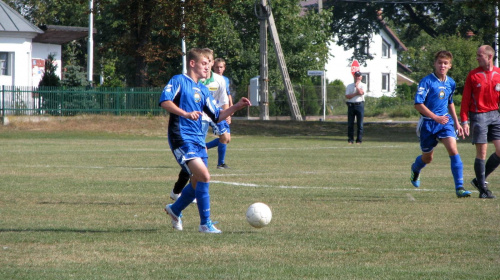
(220,128)
(430,132)
(190,151)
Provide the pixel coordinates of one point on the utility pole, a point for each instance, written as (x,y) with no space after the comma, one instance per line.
(264,72)
(90,45)
(266,15)
(184,67)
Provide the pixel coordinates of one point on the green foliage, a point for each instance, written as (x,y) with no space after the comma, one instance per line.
(110,76)
(50,78)
(74,76)
(406,92)
(420,56)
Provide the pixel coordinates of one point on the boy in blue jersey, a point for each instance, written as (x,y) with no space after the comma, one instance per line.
(438,121)
(186,99)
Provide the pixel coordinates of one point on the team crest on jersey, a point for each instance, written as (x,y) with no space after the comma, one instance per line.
(197,96)
(441,94)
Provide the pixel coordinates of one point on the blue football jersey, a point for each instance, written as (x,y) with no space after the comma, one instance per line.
(227,85)
(190,97)
(435,94)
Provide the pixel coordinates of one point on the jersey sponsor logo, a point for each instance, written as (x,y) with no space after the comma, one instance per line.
(420,90)
(213,88)
(168,88)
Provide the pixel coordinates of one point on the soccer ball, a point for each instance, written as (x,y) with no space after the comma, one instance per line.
(259,215)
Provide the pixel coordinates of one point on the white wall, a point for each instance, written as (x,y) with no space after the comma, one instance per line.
(42,51)
(21,47)
(339,66)
(24,51)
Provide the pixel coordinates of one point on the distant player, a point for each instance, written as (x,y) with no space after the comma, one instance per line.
(218,87)
(186,99)
(438,121)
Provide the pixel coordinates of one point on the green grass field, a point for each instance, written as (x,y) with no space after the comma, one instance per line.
(83,199)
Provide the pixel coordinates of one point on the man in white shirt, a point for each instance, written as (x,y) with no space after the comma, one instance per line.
(355,95)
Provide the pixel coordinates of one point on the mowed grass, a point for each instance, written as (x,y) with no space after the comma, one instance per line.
(83,199)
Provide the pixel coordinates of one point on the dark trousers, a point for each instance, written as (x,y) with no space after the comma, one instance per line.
(355,110)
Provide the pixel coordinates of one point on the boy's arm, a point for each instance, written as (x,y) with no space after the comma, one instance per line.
(244,102)
(174,109)
(422,109)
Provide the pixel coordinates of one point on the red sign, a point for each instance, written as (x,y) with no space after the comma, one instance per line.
(354,67)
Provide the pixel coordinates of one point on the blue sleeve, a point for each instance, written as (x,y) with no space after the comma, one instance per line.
(421,92)
(227,85)
(170,90)
(452,89)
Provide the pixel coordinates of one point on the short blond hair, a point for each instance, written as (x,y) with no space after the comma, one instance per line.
(443,54)
(196,54)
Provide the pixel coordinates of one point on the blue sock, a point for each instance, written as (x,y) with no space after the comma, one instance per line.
(418,164)
(213,143)
(187,196)
(457,170)
(203,198)
(221,149)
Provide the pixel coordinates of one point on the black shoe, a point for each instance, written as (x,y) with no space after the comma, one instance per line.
(223,166)
(487,194)
(483,192)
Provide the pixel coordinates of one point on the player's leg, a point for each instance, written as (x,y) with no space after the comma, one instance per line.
(491,164)
(215,130)
(201,179)
(494,133)
(350,123)
(224,133)
(224,139)
(427,143)
(182,180)
(456,164)
(479,131)
(360,113)
(213,143)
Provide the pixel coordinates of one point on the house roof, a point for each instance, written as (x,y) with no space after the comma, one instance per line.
(55,34)
(393,35)
(12,21)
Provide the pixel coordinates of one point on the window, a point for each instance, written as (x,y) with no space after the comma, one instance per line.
(363,48)
(366,80)
(385,82)
(5,64)
(386,49)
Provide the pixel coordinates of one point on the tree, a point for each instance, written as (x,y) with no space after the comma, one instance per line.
(235,37)
(146,35)
(420,57)
(354,21)
(50,78)
(74,76)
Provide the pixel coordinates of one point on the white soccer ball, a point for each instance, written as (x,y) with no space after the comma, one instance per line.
(259,215)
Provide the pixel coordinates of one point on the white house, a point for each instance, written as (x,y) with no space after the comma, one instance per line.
(381,73)
(24,47)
